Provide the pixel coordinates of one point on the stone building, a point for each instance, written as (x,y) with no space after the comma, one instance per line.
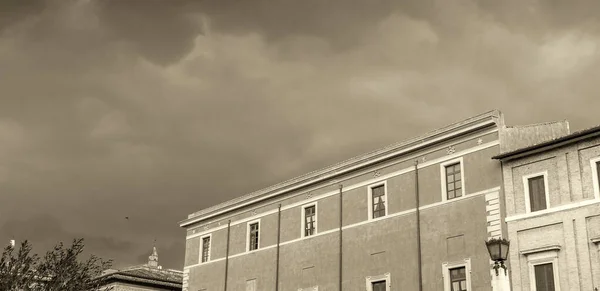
(552,198)
(148,277)
(411,216)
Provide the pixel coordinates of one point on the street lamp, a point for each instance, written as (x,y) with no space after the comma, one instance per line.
(498,249)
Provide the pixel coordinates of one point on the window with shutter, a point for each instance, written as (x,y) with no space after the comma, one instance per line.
(544,277)
(537,193)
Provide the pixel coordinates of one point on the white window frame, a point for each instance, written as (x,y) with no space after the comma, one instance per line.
(209,236)
(248,235)
(451,265)
(596,186)
(526,190)
(387,277)
(444,178)
(303,218)
(370,198)
(550,256)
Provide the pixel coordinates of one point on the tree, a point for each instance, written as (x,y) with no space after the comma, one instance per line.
(60,269)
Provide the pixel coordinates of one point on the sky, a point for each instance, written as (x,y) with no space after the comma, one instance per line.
(156,109)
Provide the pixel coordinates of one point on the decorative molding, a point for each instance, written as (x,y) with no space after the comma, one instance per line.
(367,182)
(350,165)
(479,141)
(595,240)
(309,195)
(385,277)
(451,150)
(376,174)
(446,266)
(550,255)
(528,252)
(492,208)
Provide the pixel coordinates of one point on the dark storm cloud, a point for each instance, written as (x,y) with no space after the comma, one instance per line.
(45,231)
(139,109)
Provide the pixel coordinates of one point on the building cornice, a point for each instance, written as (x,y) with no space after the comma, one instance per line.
(555,248)
(134,279)
(488,119)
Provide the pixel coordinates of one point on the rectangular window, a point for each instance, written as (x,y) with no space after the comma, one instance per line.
(457,275)
(253,236)
(458,279)
(378,286)
(205,249)
(251,285)
(378,201)
(544,277)
(537,193)
(598,173)
(310,220)
(453,181)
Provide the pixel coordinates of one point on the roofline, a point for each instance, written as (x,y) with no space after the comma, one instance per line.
(557,142)
(471,124)
(133,278)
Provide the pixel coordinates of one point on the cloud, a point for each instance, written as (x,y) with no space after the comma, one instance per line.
(153,111)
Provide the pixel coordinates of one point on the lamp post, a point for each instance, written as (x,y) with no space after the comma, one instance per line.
(498,250)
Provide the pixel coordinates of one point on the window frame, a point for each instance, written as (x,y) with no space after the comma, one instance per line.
(369,280)
(447,266)
(526,179)
(209,236)
(595,181)
(444,182)
(370,199)
(248,224)
(303,219)
(254,281)
(540,258)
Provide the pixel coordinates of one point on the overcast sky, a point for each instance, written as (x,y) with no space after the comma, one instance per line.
(156,109)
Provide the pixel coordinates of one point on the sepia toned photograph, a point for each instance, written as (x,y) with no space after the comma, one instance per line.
(287,145)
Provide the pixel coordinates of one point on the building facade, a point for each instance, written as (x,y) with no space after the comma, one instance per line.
(552,195)
(148,277)
(412,216)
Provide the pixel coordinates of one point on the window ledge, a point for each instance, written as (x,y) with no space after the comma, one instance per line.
(596,240)
(555,248)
